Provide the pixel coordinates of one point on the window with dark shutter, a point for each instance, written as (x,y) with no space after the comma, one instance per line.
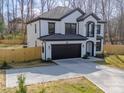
(70,28)
(51,28)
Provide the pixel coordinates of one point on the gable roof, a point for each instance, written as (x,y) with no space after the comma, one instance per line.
(81,18)
(62,37)
(57,14)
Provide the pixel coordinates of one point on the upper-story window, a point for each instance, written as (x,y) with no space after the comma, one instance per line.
(98,29)
(90,29)
(51,28)
(35,28)
(70,28)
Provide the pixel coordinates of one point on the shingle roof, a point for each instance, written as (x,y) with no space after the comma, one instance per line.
(60,12)
(56,13)
(62,37)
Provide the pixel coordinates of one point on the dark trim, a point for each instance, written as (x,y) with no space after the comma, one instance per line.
(92,14)
(92,47)
(53,19)
(66,40)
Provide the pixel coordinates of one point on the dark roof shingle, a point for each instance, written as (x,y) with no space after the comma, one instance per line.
(62,37)
(60,12)
(56,13)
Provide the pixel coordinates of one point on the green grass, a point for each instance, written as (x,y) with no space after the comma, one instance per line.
(114,61)
(77,85)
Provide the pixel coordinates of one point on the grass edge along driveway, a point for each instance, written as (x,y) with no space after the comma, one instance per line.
(75,85)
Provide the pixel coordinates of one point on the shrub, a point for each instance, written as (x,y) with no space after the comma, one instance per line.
(5,65)
(85,56)
(21,85)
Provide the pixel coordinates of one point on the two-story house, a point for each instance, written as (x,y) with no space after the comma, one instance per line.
(66,33)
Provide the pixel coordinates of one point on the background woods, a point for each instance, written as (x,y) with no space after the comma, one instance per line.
(15,13)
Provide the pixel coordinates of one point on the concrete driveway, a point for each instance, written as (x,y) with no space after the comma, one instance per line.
(108,79)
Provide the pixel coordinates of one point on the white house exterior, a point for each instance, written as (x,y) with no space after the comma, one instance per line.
(66,33)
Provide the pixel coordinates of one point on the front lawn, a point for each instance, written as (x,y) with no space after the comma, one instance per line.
(77,85)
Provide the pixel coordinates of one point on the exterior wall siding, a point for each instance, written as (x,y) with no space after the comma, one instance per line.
(31,35)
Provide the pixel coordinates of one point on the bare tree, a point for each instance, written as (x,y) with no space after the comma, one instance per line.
(2,8)
(50,4)
(42,4)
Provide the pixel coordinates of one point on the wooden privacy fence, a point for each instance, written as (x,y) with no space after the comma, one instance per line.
(114,49)
(20,55)
(11,41)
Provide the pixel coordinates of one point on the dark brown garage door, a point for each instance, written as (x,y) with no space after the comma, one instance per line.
(64,51)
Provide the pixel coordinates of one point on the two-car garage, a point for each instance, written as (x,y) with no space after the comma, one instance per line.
(60,46)
(63,51)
